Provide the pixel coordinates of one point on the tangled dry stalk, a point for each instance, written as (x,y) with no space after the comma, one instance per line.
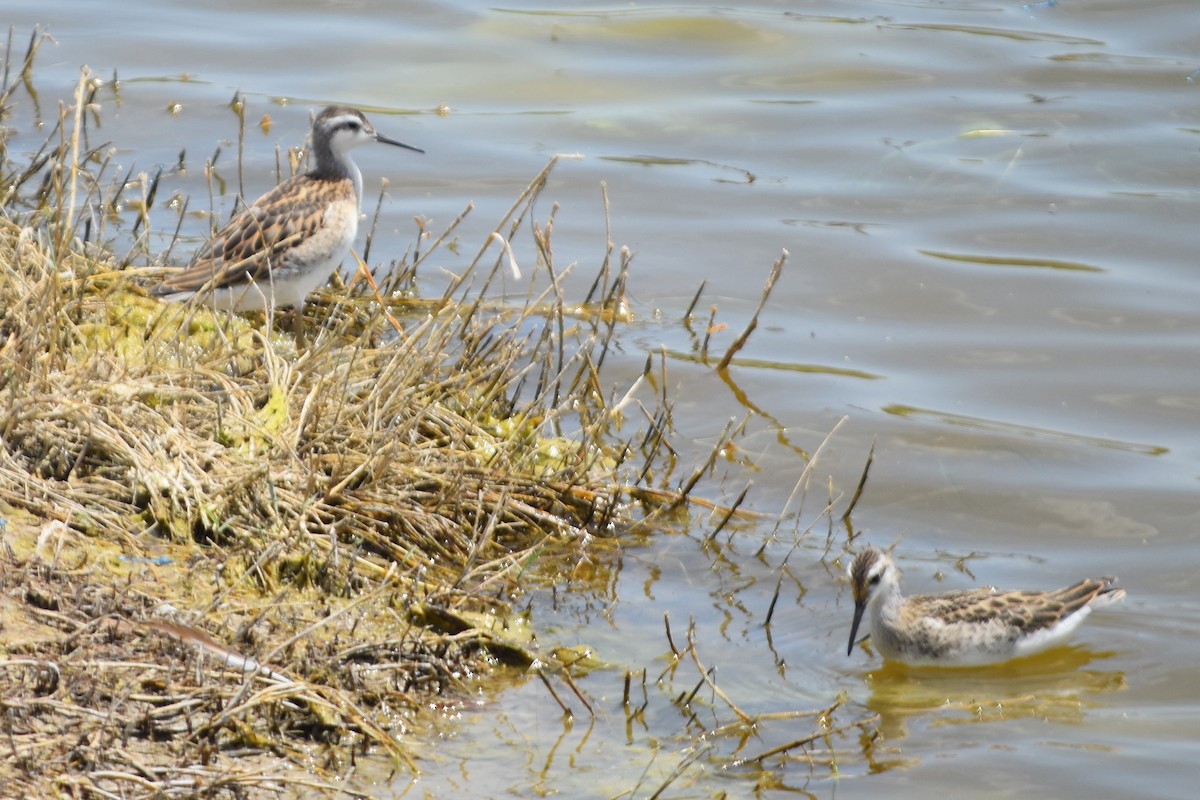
(231,563)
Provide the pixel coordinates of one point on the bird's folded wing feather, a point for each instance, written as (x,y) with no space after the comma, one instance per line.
(1035,610)
(249,246)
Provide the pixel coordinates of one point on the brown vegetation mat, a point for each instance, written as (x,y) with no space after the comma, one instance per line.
(230,562)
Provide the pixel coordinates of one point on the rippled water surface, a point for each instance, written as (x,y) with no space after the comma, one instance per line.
(990,215)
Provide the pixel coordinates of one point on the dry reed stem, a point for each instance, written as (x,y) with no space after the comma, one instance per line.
(740,341)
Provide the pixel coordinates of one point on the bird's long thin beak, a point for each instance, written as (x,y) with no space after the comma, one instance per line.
(859,608)
(379,137)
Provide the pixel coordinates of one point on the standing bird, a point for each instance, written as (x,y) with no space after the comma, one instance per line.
(276,251)
(965,628)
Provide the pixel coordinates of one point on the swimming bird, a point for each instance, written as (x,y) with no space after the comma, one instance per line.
(971,627)
(276,251)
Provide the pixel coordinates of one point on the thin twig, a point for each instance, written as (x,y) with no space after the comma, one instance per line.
(740,341)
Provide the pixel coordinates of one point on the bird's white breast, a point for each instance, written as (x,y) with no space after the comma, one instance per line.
(310,263)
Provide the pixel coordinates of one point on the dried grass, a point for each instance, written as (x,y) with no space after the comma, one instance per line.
(232,562)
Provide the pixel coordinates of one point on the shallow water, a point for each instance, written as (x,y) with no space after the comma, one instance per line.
(990,215)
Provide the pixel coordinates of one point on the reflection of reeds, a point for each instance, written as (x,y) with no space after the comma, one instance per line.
(761,746)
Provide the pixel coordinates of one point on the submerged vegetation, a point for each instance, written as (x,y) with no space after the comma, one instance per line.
(232,561)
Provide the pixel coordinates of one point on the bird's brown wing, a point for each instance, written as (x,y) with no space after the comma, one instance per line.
(248,246)
(1036,610)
